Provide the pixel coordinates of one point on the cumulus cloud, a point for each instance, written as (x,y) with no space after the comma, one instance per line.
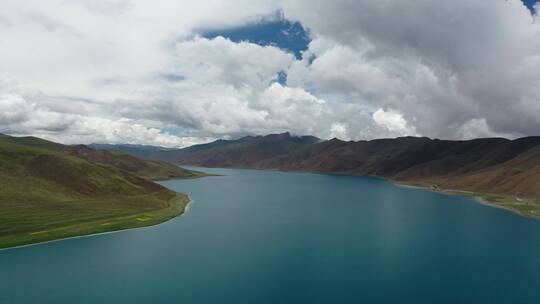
(440,64)
(13,109)
(220,61)
(393,121)
(38,115)
(128,70)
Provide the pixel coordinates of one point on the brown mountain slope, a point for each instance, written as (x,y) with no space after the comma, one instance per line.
(246,152)
(519,176)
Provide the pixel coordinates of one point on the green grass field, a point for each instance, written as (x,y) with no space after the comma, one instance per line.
(46,194)
(47,224)
(527,206)
(524,206)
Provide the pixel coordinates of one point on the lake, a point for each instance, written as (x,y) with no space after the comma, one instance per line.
(272,237)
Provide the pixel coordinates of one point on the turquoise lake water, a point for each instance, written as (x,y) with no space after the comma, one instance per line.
(272,237)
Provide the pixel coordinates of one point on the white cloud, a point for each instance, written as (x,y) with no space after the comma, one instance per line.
(126,70)
(478,127)
(41,116)
(338,130)
(220,61)
(393,121)
(106,7)
(13,108)
(441,64)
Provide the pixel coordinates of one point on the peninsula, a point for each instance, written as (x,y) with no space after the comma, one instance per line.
(51,191)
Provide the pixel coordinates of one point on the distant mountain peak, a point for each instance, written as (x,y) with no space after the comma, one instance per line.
(288,135)
(273,137)
(284,135)
(128,146)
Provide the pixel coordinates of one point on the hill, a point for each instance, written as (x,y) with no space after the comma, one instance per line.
(50,192)
(501,171)
(135,150)
(153,170)
(246,152)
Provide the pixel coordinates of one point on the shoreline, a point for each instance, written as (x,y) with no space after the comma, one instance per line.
(477,197)
(184,210)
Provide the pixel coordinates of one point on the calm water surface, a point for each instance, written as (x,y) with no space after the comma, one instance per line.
(271,237)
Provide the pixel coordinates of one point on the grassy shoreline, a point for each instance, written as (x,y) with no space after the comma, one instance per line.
(176,206)
(524,206)
(51,191)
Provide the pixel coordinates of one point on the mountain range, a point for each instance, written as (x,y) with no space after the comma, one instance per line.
(500,171)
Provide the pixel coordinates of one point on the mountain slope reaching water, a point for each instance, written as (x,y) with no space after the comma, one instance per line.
(501,171)
(50,191)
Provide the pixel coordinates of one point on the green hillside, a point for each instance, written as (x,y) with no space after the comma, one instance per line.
(46,194)
(150,169)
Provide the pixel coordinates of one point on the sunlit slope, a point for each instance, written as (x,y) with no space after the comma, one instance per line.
(47,194)
(150,169)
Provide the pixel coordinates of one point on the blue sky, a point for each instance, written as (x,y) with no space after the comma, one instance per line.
(274,30)
(530,4)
